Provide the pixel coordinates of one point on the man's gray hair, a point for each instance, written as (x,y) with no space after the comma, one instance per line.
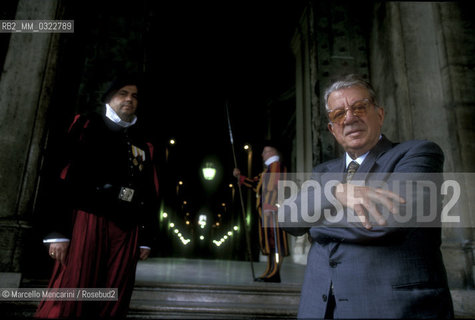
(347,81)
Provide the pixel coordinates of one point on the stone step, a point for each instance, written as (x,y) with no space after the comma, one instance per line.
(263,301)
(194,301)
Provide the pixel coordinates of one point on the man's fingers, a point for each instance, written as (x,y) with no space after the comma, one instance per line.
(390,195)
(360,212)
(363,201)
(373,211)
(62,255)
(58,251)
(385,201)
(386,198)
(144,253)
(61,258)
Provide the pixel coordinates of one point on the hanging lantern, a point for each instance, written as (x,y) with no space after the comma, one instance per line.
(209,171)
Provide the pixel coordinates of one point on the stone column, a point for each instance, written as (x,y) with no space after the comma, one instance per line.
(303,93)
(25,92)
(301,44)
(421,62)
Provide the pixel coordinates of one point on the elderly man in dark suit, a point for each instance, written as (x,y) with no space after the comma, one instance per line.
(381,263)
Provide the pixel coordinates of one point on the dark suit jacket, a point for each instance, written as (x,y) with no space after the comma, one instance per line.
(385,272)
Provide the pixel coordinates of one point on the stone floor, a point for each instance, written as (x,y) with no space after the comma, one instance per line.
(201,271)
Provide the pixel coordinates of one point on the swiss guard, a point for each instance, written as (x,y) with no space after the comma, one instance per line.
(272,239)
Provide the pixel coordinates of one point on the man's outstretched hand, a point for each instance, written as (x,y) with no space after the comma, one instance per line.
(363,200)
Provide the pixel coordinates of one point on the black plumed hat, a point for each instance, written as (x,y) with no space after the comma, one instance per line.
(272,143)
(121,81)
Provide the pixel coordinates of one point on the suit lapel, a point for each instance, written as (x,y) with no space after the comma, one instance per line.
(335,171)
(366,167)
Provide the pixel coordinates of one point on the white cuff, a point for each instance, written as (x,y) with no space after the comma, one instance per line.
(55,240)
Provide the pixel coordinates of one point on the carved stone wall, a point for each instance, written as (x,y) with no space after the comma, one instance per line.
(25,93)
(331,40)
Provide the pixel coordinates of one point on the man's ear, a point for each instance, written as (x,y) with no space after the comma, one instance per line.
(330,127)
(380,111)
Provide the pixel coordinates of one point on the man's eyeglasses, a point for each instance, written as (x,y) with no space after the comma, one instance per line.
(358,109)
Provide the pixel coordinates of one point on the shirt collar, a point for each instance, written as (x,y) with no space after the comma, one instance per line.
(112,115)
(271,160)
(360,159)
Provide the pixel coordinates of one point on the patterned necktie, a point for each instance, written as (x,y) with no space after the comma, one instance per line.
(352,167)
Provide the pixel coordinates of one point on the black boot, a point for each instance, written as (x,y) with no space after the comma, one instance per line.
(274,278)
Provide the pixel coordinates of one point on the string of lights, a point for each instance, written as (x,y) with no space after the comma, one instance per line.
(176,231)
(227,236)
(217,242)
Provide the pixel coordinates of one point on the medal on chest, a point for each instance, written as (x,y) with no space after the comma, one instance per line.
(138,157)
